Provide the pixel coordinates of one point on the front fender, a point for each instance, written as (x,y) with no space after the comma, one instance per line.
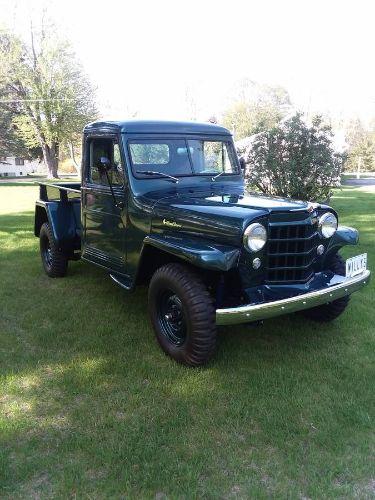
(343,236)
(200,253)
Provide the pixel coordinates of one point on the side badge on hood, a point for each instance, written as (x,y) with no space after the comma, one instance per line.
(170,223)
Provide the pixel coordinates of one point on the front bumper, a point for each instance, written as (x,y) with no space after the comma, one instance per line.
(339,287)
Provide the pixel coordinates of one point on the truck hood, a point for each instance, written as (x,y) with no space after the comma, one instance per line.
(218,216)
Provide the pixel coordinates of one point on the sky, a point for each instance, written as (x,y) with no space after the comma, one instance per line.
(166,59)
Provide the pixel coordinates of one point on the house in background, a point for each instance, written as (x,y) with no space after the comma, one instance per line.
(12,166)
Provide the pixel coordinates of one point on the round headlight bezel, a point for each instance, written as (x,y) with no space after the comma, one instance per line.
(250,241)
(326,228)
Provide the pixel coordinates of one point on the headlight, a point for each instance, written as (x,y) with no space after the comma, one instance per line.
(327,225)
(255,237)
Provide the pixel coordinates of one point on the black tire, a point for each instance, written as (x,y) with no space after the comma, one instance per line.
(188,335)
(329,312)
(54,261)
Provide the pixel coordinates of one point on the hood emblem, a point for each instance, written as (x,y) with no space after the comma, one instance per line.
(312,206)
(171,223)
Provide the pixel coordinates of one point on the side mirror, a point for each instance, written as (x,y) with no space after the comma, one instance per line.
(242,165)
(105,163)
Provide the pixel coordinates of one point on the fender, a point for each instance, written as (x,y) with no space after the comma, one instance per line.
(343,236)
(200,253)
(64,220)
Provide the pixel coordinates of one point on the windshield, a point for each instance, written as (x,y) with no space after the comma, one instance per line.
(179,157)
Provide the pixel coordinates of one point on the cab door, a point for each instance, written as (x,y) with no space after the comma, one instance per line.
(103,217)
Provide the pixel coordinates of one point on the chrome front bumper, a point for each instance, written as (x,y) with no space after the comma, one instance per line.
(253,312)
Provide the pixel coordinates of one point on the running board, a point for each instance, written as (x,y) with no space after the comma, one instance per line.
(122,281)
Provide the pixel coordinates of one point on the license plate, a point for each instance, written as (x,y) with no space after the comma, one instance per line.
(356,265)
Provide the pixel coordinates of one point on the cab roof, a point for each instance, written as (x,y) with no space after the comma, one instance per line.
(157,127)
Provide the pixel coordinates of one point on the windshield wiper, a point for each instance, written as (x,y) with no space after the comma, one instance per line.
(218,175)
(153,172)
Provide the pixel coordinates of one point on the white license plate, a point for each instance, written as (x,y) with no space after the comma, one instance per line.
(356,265)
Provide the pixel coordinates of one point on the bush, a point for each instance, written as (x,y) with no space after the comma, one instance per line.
(295,160)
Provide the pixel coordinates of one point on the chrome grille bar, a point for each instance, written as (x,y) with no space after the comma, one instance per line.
(291,252)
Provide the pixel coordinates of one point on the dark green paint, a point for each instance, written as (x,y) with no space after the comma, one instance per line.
(197,220)
(199,252)
(343,236)
(156,127)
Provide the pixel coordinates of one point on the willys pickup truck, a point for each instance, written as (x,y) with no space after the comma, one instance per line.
(165,204)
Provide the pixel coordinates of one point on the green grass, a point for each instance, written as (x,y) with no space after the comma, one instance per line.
(90,406)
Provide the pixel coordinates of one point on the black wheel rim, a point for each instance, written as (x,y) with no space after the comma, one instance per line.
(47,252)
(171,317)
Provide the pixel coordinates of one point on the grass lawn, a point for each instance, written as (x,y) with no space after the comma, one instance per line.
(91,407)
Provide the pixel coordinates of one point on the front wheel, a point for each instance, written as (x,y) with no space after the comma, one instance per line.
(54,261)
(182,314)
(330,311)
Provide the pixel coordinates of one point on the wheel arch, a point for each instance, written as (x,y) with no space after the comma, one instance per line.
(62,221)
(210,258)
(41,216)
(151,259)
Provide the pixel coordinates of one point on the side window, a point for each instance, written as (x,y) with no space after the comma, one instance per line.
(107,148)
(116,173)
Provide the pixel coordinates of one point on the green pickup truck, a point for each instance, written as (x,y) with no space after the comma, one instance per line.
(165,204)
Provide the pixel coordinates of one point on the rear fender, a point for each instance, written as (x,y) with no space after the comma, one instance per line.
(63,221)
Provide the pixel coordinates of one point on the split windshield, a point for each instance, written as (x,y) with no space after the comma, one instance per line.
(178,157)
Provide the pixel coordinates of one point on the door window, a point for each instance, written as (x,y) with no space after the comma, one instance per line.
(108,148)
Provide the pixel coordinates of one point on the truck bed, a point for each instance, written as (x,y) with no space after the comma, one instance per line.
(59,190)
(59,204)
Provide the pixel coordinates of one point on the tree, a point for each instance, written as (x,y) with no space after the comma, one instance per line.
(10,143)
(46,92)
(295,160)
(256,108)
(361,151)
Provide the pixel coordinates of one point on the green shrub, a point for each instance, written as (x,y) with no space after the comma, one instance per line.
(294,160)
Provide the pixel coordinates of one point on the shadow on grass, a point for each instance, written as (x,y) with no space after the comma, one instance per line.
(13,223)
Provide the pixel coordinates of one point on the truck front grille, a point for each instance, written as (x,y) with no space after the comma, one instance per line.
(291,252)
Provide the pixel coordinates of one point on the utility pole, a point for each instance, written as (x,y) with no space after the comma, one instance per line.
(359,164)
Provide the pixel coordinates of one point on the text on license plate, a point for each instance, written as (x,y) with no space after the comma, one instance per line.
(356,265)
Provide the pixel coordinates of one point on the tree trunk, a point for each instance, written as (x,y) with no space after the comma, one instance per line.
(50,155)
(72,156)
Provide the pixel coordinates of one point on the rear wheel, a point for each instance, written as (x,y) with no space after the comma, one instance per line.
(54,261)
(182,314)
(329,312)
